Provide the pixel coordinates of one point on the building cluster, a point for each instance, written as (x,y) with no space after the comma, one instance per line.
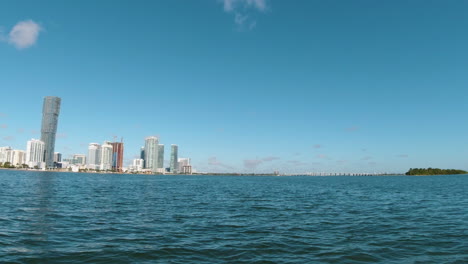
(108,156)
(151,159)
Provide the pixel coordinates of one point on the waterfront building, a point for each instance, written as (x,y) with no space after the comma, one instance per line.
(35,149)
(106,156)
(50,114)
(151,153)
(17,157)
(79,159)
(4,152)
(117,156)
(94,156)
(142,155)
(160,156)
(138,164)
(181,162)
(57,157)
(173,161)
(186,169)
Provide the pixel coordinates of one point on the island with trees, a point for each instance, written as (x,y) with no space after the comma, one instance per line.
(434,171)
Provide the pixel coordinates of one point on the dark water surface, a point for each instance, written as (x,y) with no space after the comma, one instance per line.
(88,218)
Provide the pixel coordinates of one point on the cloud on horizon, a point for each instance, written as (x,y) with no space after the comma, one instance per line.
(23,35)
(254,163)
(213,161)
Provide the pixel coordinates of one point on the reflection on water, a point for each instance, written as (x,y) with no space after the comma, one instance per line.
(87,218)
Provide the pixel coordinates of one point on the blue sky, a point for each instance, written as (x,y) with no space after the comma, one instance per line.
(244,85)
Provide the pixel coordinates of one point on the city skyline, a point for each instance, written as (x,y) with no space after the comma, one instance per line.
(353,90)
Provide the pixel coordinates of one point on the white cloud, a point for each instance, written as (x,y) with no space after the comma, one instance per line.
(254,163)
(231,5)
(24,34)
(241,10)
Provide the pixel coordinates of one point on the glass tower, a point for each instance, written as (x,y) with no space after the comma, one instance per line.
(151,153)
(160,156)
(174,154)
(50,114)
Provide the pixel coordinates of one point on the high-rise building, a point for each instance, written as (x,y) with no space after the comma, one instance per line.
(13,156)
(57,157)
(35,153)
(160,156)
(117,156)
(106,156)
(174,154)
(50,114)
(142,155)
(151,153)
(4,153)
(17,157)
(94,156)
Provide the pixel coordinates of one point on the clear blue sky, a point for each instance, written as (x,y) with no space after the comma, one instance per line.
(290,85)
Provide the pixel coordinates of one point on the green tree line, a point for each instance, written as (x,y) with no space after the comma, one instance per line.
(434,171)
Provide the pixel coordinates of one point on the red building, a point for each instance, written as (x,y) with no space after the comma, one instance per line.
(117,156)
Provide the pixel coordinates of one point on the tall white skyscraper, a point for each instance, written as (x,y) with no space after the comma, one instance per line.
(106,156)
(35,153)
(151,153)
(94,156)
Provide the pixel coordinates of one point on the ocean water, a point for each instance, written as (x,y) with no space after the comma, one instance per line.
(89,218)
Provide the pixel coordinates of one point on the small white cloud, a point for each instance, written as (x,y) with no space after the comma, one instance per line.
(252,164)
(240,19)
(230,5)
(24,34)
(242,10)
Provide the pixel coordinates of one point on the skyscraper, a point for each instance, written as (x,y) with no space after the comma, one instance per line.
(35,153)
(142,155)
(106,156)
(117,156)
(57,157)
(174,154)
(151,153)
(94,156)
(50,114)
(161,156)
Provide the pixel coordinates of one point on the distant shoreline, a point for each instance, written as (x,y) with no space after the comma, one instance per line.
(222,174)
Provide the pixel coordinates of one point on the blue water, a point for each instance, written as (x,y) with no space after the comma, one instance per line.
(88,218)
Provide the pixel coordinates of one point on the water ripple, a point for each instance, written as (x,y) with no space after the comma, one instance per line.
(86,218)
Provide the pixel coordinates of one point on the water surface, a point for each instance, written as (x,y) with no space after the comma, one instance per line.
(91,218)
